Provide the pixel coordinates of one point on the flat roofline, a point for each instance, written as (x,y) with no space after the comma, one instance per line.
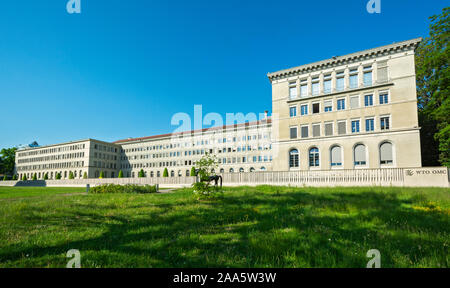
(340,59)
(259,122)
(64,143)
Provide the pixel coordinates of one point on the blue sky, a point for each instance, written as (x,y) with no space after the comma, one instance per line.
(122,68)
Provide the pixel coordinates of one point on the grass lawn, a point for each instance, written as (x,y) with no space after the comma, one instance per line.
(247,227)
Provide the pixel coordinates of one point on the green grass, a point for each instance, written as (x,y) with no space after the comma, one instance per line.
(248,227)
(19,192)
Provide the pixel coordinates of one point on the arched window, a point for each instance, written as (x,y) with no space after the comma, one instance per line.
(314,157)
(252,169)
(241,170)
(187,172)
(386,154)
(293,158)
(263,168)
(179,173)
(158,173)
(172,173)
(336,156)
(360,155)
(231,170)
(213,171)
(222,171)
(152,174)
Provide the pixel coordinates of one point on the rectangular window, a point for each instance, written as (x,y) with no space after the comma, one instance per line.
(316,108)
(342,127)
(370,125)
(341,104)
(293,132)
(367,76)
(316,130)
(328,129)
(315,86)
(384,98)
(353,78)
(340,81)
(368,100)
(327,83)
(355,126)
(304,132)
(293,111)
(303,88)
(354,102)
(382,72)
(384,123)
(304,110)
(292,90)
(328,105)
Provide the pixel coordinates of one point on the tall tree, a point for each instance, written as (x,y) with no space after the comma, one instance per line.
(433,78)
(8,156)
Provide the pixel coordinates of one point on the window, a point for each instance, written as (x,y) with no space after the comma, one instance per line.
(241,170)
(316,108)
(293,132)
(304,131)
(293,111)
(316,130)
(304,110)
(336,156)
(384,123)
(328,129)
(382,72)
(370,125)
(359,155)
(292,90)
(386,153)
(327,83)
(384,98)
(368,100)
(252,169)
(314,157)
(354,78)
(231,170)
(355,126)
(315,86)
(340,81)
(354,102)
(293,158)
(367,76)
(303,88)
(328,105)
(341,104)
(342,127)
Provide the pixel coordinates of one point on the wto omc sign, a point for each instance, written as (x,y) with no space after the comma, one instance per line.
(419,172)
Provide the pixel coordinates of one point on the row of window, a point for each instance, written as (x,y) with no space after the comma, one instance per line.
(340,104)
(52,150)
(187,172)
(60,165)
(343,79)
(105,148)
(315,129)
(64,175)
(337,155)
(52,158)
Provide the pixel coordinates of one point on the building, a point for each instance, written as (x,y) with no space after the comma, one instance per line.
(348,112)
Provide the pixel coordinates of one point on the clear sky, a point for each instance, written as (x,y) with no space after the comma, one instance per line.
(123,68)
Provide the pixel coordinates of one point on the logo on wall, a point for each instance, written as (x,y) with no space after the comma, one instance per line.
(409,172)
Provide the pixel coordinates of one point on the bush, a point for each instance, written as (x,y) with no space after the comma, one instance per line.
(193,172)
(71,176)
(141,174)
(85,175)
(46,176)
(24,177)
(14,177)
(34,177)
(120,174)
(58,176)
(165,173)
(4,178)
(102,175)
(128,188)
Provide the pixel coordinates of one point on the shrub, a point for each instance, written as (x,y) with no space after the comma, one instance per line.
(14,177)
(205,166)
(34,177)
(46,176)
(166,172)
(4,178)
(193,172)
(102,175)
(58,176)
(128,188)
(71,176)
(24,177)
(141,174)
(85,175)
(120,174)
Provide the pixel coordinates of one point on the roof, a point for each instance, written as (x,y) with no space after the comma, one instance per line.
(339,60)
(259,122)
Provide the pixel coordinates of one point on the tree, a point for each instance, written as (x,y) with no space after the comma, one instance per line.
(46,176)
(120,174)
(193,172)
(165,172)
(24,177)
(102,175)
(205,166)
(34,177)
(4,178)
(71,176)
(14,177)
(141,173)
(85,175)
(8,156)
(58,176)
(433,88)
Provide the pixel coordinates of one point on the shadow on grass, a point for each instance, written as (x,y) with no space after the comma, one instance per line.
(293,229)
